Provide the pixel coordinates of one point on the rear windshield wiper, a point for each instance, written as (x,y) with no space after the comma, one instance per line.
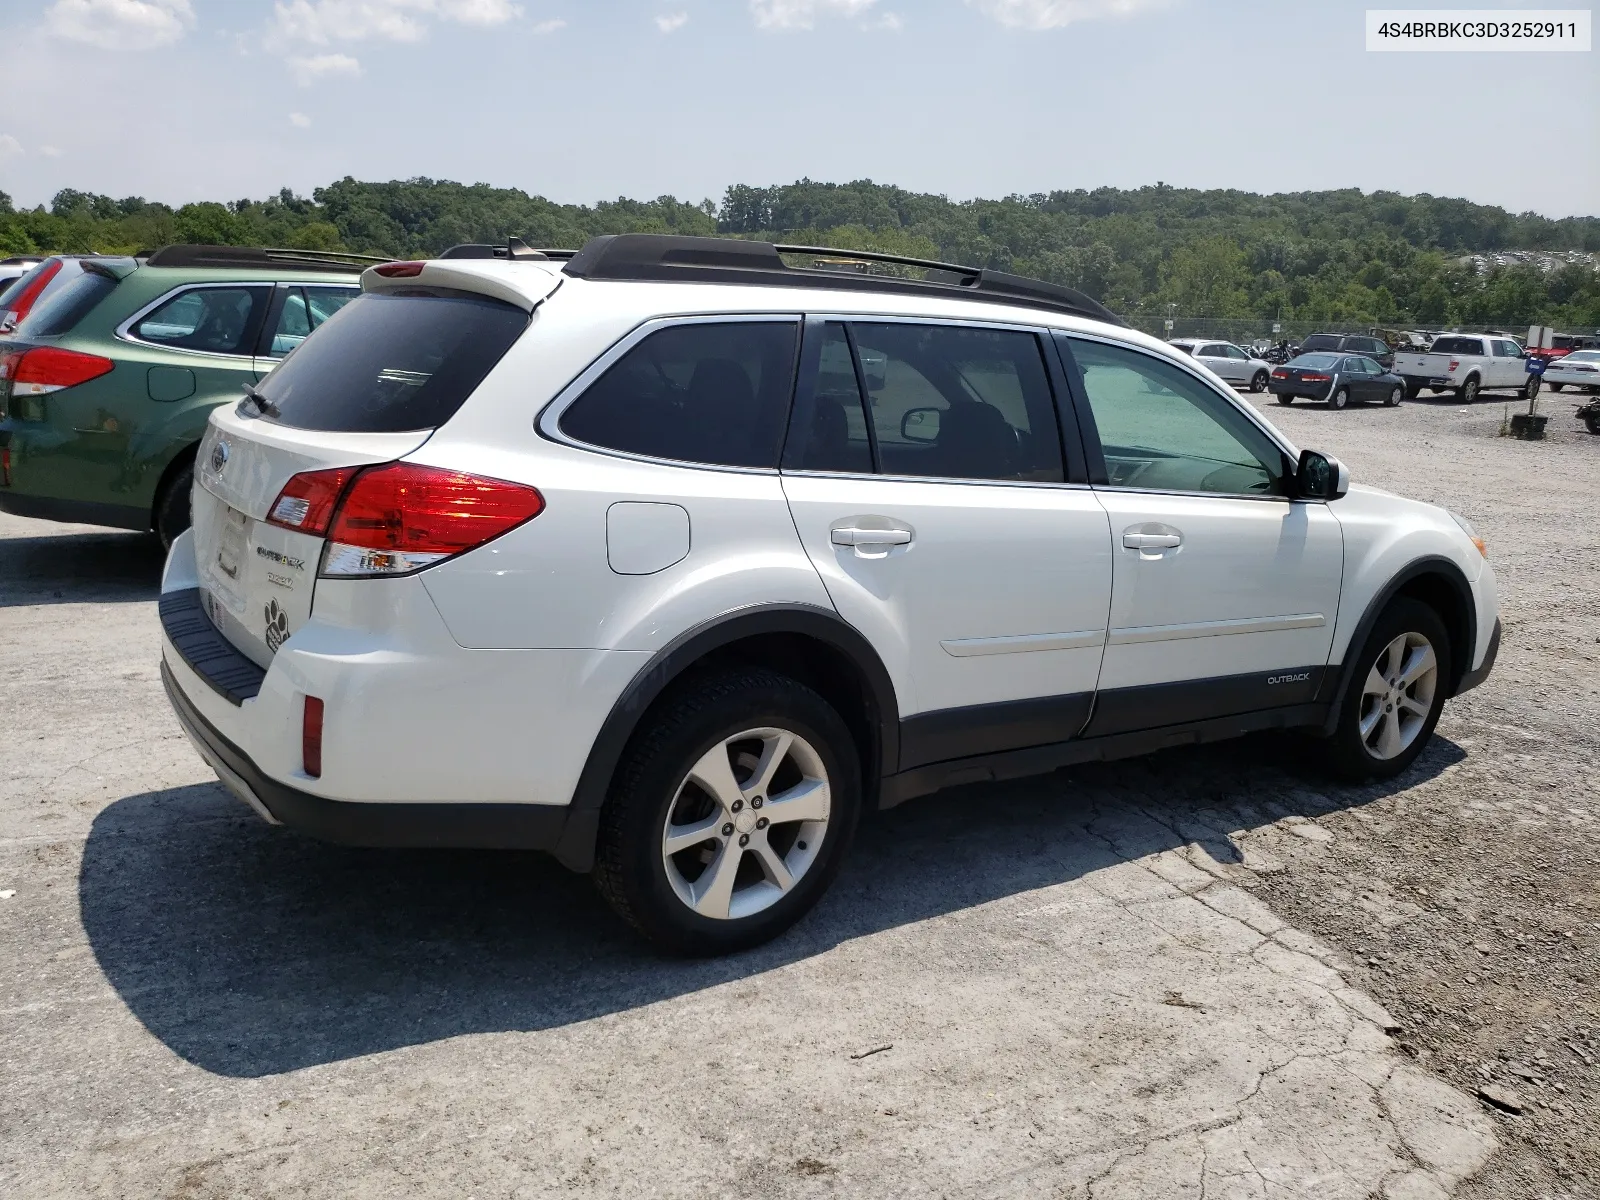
(263,406)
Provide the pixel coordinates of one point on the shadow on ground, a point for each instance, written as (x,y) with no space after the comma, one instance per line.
(88,568)
(251,951)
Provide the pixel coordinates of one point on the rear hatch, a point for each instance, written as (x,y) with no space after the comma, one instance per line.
(367,388)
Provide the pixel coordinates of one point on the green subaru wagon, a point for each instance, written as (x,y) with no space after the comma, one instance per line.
(106,386)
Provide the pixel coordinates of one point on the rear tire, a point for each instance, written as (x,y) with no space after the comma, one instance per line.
(1412,391)
(1591,422)
(1285,399)
(727,887)
(1258,382)
(172,515)
(1395,694)
(1393,399)
(1340,398)
(1467,393)
(1556,387)
(1530,389)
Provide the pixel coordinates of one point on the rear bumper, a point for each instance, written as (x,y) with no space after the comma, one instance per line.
(1293,387)
(497,826)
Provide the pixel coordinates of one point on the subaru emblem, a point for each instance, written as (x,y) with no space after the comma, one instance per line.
(219,457)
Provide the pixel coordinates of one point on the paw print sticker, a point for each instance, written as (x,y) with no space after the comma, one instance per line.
(277,626)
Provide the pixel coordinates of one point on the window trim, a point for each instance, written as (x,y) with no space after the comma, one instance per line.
(1074,456)
(124,331)
(547,422)
(1100,477)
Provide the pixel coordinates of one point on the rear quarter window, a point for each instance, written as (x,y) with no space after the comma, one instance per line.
(390,362)
(1458,345)
(707,392)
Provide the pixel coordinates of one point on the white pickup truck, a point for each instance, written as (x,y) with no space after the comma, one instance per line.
(1467,364)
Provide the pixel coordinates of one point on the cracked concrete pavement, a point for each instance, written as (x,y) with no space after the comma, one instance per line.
(1081,995)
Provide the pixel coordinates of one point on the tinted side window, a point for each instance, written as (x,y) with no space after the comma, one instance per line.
(832,434)
(953,402)
(705,393)
(1163,430)
(218,320)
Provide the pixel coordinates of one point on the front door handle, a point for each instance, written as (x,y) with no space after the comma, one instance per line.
(851,536)
(1135,540)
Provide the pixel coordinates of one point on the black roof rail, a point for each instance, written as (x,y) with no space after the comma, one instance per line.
(260,258)
(682,259)
(515,248)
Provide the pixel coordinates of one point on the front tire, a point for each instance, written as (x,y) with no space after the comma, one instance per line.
(172,515)
(730,813)
(1395,694)
(1340,398)
(1258,382)
(1393,399)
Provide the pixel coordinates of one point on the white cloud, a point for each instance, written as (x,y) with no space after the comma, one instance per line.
(120,24)
(300,120)
(311,69)
(9,148)
(51,151)
(544,27)
(803,14)
(1053,14)
(672,22)
(888,23)
(320,22)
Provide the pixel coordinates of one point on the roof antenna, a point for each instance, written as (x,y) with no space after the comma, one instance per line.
(517,248)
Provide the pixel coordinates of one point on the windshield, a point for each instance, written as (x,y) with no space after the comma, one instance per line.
(1315,362)
(1581,356)
(390,362)
(1320,341)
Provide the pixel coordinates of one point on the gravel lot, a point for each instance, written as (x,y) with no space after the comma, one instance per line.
(1207,973)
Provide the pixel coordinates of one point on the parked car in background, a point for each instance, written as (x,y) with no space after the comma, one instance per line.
(1468,364)
(14,268)
(1579,368)
(1374,348)
(1340,379)
(106,383)
(675,558)
(1236,366)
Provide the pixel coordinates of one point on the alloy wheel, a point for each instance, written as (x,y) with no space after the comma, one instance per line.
(746,823)
(1398,695)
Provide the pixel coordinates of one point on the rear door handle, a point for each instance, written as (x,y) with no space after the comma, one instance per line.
(851,536)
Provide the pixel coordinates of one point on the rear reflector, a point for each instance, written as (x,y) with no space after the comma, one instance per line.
(311,738)
(48,369)
(402,517)
(306,502)
(399,270)
(23,304)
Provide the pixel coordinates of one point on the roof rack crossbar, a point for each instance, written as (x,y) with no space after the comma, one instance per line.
(684,259)
(515,248)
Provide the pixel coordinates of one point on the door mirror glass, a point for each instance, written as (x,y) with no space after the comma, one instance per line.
(1321,477)
(920,425)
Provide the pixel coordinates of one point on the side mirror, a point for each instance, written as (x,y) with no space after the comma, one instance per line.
(1320,477)
(920,425)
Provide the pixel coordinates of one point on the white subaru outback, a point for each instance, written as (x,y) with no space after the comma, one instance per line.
(672,555)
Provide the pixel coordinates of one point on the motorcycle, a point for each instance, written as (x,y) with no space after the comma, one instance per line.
(1281,353)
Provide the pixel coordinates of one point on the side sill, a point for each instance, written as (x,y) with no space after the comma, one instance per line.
(1039,760)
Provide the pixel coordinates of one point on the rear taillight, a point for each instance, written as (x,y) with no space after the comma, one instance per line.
(29,296)
(48,369)
(1454,363)
(401,517)
(1309,377)
(1280,373)
(5,467)
(311,738)
(306,502)
(399,270)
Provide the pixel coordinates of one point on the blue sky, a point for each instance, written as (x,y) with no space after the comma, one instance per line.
(582,100)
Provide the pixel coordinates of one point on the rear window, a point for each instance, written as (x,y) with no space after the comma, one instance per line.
(61,309)
(1458,345)
(1320,341)
(387,362)
(1316,362)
